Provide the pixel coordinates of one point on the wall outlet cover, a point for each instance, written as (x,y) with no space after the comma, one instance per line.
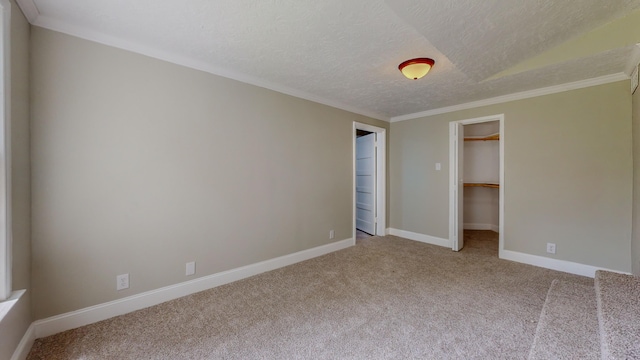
(551,248)
(191,268)
(122,282)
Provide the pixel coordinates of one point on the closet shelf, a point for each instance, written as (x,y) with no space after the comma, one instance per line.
(489,185)
(483,138)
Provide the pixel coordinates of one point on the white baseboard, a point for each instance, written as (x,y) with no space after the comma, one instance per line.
(535,260)
(22,351)
(420,237)
(553,264)
(491,227)
(86,316)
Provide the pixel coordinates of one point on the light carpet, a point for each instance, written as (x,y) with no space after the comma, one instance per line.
(618,297)
(385,298)
(568,326)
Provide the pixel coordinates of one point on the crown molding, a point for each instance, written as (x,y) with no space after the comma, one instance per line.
(32,14)
(517,96)
(634,61)
(175,58)
(29,9)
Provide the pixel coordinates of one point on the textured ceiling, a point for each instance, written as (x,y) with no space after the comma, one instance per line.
(484,37)
(346,53)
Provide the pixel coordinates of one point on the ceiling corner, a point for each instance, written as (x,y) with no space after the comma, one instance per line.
(634,61)
(29,9)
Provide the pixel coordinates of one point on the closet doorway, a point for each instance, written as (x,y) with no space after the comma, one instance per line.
(365,183)
(476,178)
(369,186)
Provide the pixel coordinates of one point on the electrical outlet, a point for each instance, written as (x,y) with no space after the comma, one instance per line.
(551,248)
(332,234)
(438,166)
(122,282)
(191,268)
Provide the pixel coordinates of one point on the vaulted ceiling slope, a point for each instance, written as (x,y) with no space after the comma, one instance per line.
(346,53)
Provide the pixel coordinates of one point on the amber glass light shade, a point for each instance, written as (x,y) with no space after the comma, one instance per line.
(414,69)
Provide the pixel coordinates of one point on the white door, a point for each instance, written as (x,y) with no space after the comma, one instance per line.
(457,133)
(366,183)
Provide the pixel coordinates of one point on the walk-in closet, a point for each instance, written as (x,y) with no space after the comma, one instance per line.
(482,176)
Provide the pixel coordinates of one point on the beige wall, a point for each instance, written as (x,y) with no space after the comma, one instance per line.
(20,166)
(568,174)
(140,166)
(635,242)
(14,324)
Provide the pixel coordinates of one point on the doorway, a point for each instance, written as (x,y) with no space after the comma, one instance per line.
(365,183)
(369,185)
(485,180)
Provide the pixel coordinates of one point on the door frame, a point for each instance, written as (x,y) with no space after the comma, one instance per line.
(453,165)
(381,187)
(6,235)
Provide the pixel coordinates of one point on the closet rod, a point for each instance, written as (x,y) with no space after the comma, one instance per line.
(489,185)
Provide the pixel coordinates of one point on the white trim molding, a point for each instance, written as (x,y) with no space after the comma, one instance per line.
(92,314)
(35,18)
(517,96)
(634,61)
(535,260)
(15,318)
(22,351)
(453,164)
(32,14)
(381,176)
(428,239)
(553,264)
(5,142)
(29,9)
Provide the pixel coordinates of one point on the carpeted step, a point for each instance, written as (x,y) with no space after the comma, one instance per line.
(568,325)
(618,297)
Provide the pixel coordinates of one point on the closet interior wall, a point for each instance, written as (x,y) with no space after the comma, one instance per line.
(481,166)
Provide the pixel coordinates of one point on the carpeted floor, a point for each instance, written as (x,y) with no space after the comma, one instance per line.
(361,235)
(385,298)
(618,298)
(568,325)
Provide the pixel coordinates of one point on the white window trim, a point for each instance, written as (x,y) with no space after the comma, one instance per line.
(5,152)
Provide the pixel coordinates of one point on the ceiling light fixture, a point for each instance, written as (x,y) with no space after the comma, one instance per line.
(414,69)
